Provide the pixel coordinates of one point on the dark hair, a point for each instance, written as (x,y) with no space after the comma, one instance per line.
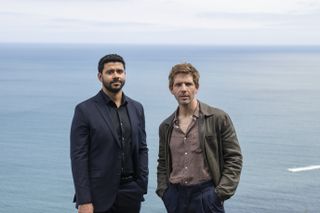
(110,58)
(185,68)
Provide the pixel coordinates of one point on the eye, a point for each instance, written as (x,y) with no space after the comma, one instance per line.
(109,72)
(120,71)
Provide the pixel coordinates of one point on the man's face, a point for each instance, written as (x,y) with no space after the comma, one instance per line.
(184,89)
(113,76)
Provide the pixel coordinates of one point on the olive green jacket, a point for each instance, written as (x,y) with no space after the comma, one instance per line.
(221,150)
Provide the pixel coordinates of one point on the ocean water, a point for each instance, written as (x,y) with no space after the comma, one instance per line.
(271,93)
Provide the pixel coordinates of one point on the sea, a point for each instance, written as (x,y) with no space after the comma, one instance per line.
(272,94)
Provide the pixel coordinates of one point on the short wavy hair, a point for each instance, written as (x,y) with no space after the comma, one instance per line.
(184,68)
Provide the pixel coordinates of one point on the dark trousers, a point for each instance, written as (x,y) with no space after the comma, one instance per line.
(200,198)
(129,197)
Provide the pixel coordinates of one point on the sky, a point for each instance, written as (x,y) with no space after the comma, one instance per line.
(216,22)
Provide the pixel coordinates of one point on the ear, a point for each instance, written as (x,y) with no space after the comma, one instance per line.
(99,75)
(171,90)
(197,89)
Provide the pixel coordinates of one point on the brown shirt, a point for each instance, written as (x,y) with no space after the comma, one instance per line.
(188,166)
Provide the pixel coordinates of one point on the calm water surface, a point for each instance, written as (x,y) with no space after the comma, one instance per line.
(271,94)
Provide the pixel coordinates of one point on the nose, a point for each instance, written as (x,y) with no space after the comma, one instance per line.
(116,75)
(183,87)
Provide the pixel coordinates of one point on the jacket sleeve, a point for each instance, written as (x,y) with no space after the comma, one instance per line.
(142,178)
(79,149)
(161,169)
(232,159)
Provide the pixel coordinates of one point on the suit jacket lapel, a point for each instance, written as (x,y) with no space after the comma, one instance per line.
(133,120)
(101,106)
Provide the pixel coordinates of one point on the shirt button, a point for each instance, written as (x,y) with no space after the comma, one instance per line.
(186,153)
(186,182)
(186,167)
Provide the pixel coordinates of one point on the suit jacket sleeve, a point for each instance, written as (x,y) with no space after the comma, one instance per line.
(142,178)
(79,149)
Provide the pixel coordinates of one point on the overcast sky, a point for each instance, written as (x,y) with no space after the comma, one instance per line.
(222,22)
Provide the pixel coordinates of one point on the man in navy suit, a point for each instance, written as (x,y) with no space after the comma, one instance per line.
(109,154)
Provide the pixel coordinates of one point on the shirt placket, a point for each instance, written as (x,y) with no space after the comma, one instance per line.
(187,146)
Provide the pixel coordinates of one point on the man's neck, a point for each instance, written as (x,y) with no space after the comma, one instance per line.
(188,109)
(115,97)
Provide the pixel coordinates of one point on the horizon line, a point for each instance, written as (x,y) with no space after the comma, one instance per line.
(163,44)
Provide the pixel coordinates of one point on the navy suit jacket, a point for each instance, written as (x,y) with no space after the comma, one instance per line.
(96,153)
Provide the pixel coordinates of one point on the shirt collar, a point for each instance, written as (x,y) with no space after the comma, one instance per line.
(195,115)
(109,101)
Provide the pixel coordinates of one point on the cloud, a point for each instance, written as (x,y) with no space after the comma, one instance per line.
(79,0)
(86,24)
(290,20)
(10,13)
(160,21)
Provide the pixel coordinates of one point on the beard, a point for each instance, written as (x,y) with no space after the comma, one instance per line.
(112,89)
